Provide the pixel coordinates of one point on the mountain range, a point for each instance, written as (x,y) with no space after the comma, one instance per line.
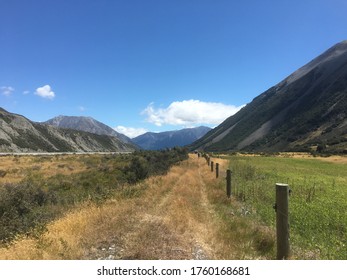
(82,134)
(307,111)
(169,139)
(147,141)
(18,134)
(304,112)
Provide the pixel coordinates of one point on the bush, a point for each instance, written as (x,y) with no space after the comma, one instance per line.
(148,163)
(3,173)
(21,207)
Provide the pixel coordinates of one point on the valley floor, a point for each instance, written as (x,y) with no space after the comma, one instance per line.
(165,217)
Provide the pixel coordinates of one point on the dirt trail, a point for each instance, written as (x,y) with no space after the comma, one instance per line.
(173,219)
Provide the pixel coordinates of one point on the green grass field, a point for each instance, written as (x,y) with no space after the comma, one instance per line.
(317,206)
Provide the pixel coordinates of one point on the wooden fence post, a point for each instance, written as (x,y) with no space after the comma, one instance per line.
(217,170)
(282,221)
(211,166)
(228,183)
(208,160)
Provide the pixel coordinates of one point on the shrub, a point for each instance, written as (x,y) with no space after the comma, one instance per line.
(3,173)
(20,207)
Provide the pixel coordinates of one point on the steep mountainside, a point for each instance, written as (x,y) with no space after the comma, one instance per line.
(86,124)
(306,111)
(18,134)
(169,139)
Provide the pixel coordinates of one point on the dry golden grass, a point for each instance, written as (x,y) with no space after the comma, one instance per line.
(176,216)
(19,167)
(304,155)
(334,158)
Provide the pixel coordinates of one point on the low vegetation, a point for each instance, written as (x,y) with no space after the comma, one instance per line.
(183,214)
(28,204)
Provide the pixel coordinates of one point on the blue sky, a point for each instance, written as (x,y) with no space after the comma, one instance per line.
(155,65)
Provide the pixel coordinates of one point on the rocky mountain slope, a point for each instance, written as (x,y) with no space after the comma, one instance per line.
(86,124)
(169,139)
(18,134)
(306,111)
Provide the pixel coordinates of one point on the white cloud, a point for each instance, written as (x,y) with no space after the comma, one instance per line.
(130,131)
(190,113)
(45,92)
(81,108)
(26,92)
(7,91)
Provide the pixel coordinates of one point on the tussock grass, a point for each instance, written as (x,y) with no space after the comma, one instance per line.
(139,222)
(18,168)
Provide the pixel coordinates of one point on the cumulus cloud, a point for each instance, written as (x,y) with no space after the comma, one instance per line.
(7,91)
(190,113)
(130,131)
(45,92)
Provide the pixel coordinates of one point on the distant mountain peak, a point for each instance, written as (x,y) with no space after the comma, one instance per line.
(169,139)
(87,124)
(333,53)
